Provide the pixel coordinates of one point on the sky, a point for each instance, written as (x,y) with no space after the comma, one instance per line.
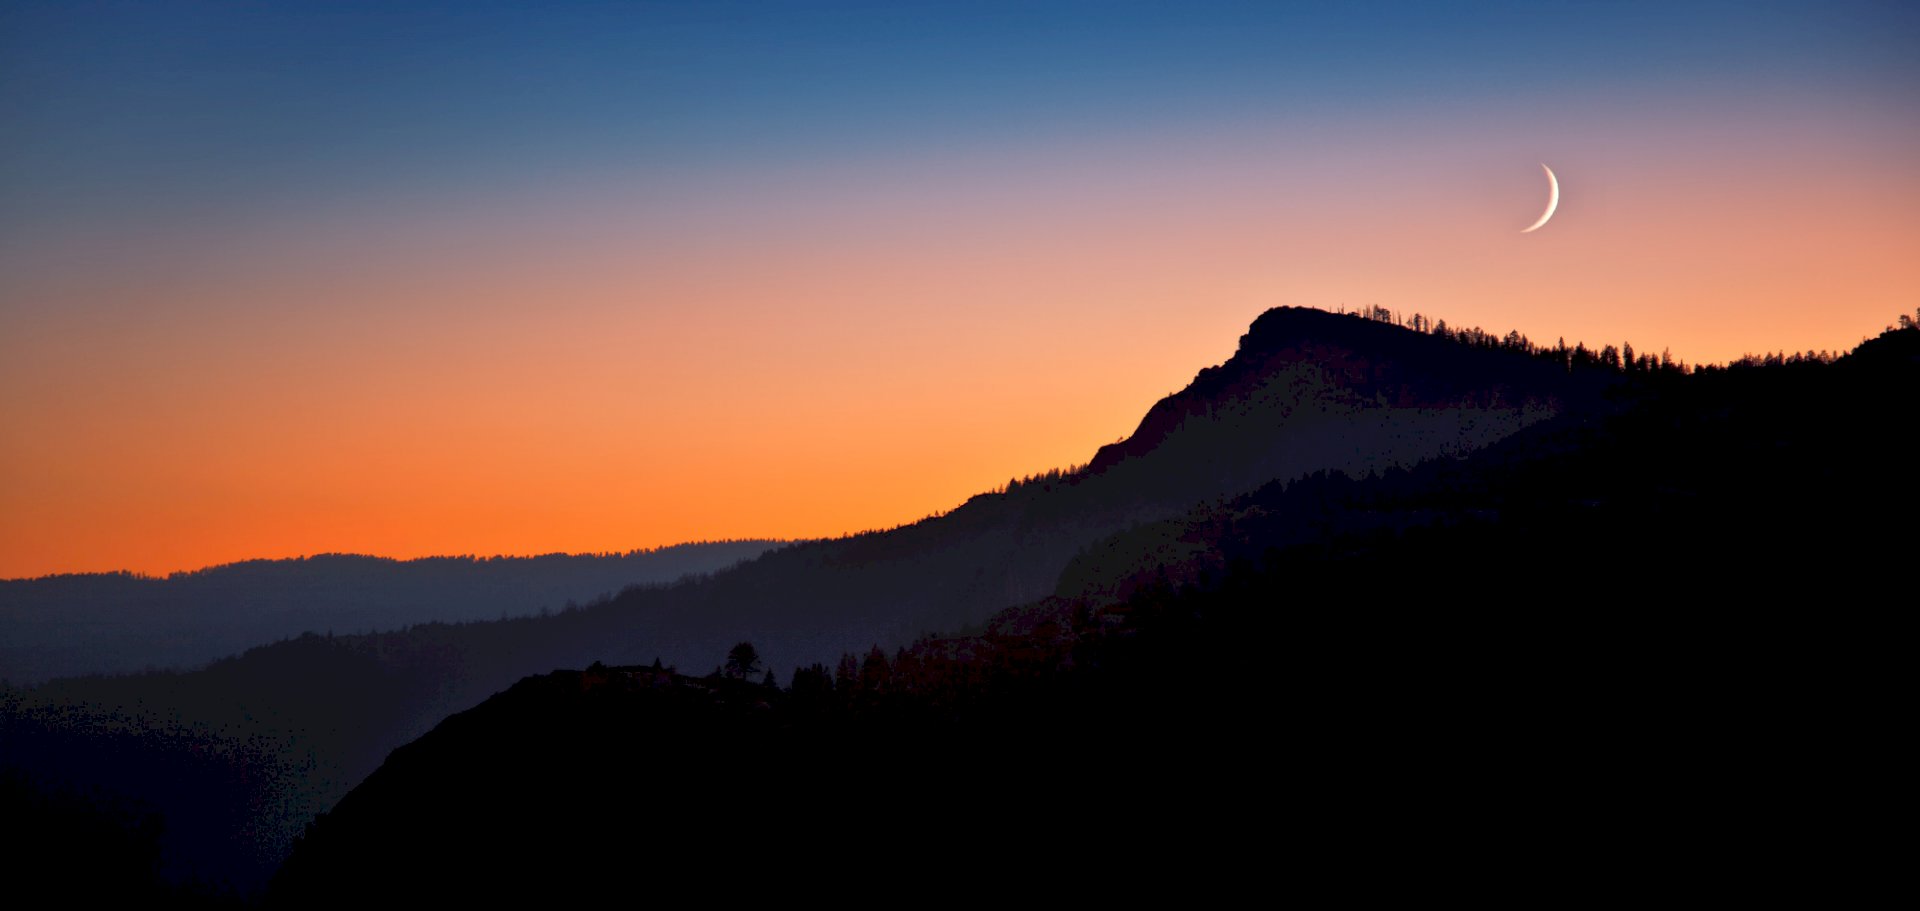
(408,279)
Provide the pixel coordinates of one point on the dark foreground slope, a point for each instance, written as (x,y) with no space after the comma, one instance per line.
(1654,642)
(272,736)
(573,783)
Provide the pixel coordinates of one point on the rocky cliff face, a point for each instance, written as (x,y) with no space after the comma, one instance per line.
(1310,391)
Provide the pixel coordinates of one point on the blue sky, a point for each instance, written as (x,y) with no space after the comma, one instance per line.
(116,107)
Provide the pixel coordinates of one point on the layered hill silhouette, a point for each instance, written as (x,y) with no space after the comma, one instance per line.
(1495,473)
(118,623)
(1667,601)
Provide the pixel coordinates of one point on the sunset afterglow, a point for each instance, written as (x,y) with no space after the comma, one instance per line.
(422,288)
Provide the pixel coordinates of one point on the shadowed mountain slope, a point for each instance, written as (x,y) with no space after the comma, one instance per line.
(1306,391)
(1671,623)
(1792,471)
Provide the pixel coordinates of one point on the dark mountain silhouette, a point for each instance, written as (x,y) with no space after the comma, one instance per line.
(1306,391)
(117,623)
(1784,443)
(296,723)
(1665,607)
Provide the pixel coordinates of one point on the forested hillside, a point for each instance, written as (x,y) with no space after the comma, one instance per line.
(1583,627)
(1651,513)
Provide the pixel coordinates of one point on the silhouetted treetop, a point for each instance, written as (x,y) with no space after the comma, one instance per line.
(743,661)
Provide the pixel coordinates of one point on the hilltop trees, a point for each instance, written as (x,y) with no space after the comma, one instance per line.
(743,661)
(813,683)
(1621,359)
(847,673)
(875,671)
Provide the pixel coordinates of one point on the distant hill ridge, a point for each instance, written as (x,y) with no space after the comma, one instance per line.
(87,623)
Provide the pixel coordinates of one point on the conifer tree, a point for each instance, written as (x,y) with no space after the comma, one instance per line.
(743,661)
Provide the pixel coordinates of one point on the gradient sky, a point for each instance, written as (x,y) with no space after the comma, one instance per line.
(485,278)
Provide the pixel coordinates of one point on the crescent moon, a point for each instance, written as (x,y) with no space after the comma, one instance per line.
(1553,201)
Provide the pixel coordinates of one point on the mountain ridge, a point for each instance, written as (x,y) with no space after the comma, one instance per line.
(1671,601)
(812,601)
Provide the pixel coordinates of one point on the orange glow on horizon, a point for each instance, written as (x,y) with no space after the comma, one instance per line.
(831,351)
